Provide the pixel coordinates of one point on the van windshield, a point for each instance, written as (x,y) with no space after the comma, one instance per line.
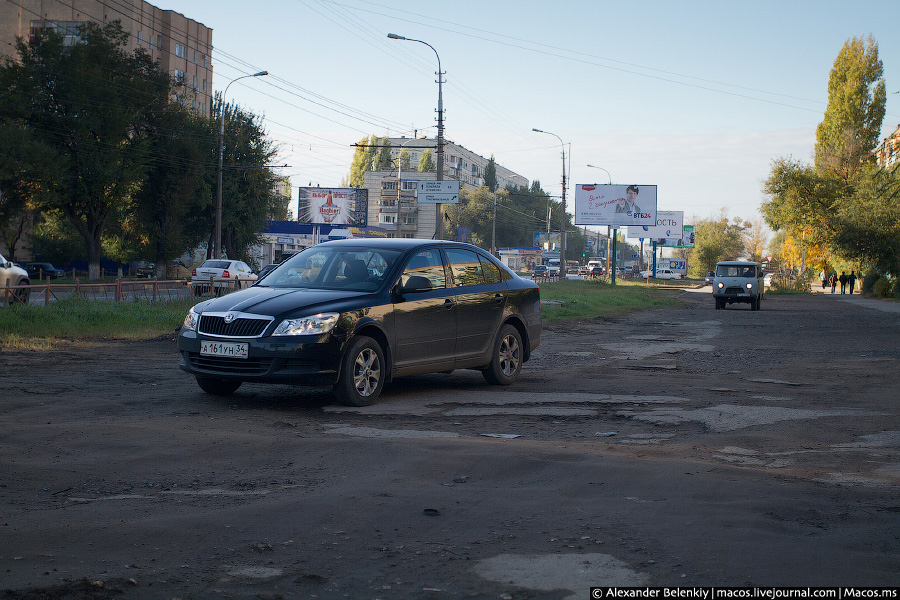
(735,270)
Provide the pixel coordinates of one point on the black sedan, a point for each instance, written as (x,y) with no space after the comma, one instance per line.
(356,313)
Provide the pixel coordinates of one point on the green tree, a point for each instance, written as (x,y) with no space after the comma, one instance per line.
(383,161)
(803,200)
(248,197)
(851,126)
(27,167)
(404,159)
(426,164)
(363,159)
(175,207)
(87,103)
(867,227)
(490,174)
(716,239)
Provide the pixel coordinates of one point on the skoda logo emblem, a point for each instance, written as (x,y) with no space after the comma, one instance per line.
(229,317)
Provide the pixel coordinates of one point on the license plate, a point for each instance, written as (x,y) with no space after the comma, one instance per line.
(226,349)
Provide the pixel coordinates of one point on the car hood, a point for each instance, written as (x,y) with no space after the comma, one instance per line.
(278,302)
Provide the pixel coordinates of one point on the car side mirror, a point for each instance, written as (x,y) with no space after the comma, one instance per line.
(414,284)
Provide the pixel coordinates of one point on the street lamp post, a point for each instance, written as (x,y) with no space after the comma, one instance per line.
(562,218)
(440,127)
(217,241)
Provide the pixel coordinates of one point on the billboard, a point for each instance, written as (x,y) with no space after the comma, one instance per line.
(541,240)
(686,241)
(615,205)
(333,206)
(668,224)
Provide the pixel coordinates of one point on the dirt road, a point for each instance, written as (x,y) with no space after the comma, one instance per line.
(684,447)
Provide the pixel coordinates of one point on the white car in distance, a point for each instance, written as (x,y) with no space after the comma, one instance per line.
(223,274)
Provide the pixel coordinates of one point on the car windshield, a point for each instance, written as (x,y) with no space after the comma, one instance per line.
(356,269)
(735,270)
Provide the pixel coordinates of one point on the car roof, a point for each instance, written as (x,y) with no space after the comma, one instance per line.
(737,262)
(396,243)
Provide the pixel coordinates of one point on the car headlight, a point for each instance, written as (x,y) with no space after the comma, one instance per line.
(190,321)
(721,285)
(312,325)
(749,286)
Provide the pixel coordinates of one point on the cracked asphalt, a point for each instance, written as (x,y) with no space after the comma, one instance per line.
(683,446)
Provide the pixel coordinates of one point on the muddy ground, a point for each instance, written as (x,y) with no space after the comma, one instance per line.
(684,447)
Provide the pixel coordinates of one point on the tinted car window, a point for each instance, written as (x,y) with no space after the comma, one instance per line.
(427,264)
(345,268)
(491,271)
(465,267)
(216,264)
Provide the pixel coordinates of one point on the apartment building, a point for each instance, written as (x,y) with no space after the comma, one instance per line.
(392,194)
(181,46)
(887,154)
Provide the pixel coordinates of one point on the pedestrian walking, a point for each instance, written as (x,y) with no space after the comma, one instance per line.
(843,280)
(824,277)
(833,280)
(851,279)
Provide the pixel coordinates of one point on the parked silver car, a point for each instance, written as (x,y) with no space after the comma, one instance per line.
(13,275)
(223,274)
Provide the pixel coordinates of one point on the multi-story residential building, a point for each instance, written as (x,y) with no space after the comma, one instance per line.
(182,46)
(887,154)
(398,211)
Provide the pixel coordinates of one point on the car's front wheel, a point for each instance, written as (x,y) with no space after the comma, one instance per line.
(362,373)
(506,361)
(218,387)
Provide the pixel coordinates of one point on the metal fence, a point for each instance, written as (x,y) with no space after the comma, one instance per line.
(146,290)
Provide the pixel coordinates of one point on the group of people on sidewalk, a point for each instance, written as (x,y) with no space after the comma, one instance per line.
(832,279)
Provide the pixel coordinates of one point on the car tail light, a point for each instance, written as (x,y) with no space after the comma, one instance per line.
(194,272)
(225,274)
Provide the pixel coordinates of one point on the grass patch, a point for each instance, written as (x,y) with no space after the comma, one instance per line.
(589,299)
(36,327)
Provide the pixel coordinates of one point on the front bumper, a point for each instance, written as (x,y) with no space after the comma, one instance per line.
(307,360)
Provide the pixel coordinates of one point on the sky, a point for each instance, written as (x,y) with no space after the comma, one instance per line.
(696,97)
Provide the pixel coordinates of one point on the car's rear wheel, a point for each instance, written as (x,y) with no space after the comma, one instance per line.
(218,387)
(362,373)
(506,361)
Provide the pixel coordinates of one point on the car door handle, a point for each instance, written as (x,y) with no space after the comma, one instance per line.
(448,303)
(498,298)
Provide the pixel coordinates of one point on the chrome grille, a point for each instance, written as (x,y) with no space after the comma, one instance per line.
(242,326)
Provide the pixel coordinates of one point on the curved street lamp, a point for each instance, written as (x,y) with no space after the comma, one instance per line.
(217,241)
(604,170)
(438,223)
(562,218)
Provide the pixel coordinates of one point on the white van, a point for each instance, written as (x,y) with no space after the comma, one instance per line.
(738,281)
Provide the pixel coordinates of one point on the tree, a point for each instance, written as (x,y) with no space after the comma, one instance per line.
(802,199)
(87,103)
(383,161)
(851,126)
(490,174)
(426,164)
(716,239)
(248,199)
(175,207)
(404,159)
(756,239)
(363,159)
(867,227)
